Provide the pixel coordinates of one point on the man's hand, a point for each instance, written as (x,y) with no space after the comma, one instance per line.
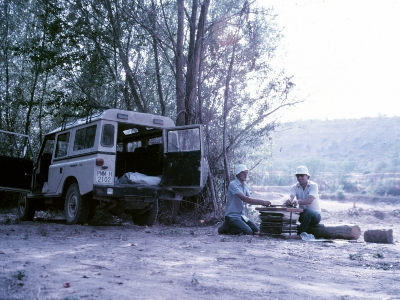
(266,203)
(291,203)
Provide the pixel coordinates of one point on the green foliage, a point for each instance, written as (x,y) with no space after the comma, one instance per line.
(355,142)
(356,256)
(341,150)
(20,275)
(340,193)
(384,187)
(378,254)
(380,167)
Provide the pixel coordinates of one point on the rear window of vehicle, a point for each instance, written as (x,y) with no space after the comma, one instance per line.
(15,145)
(107,137)
(84,138)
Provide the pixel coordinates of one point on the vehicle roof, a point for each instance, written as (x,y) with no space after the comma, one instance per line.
(121,116)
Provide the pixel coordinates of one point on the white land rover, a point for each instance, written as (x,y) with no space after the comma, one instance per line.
(118,160)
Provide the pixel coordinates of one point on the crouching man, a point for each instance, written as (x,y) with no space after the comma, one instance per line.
(238,195)
(306,193)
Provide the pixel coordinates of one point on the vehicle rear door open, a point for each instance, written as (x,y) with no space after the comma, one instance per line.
(183,165)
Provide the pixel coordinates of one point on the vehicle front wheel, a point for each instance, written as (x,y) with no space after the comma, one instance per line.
(148,217)
(26,207)
(76,207)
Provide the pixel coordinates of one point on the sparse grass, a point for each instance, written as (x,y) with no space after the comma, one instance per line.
(19,275)
(172,231)
(7,221)
(378,254)
(225,239)
(122,237)
(43,231)
(194,281)
(356,256)
(383,266)
(10,219)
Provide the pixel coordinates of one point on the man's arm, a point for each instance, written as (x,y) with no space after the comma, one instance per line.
(252,200)
(313,193)
(306,201)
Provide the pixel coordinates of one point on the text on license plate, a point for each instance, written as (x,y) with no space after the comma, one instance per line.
(104,176)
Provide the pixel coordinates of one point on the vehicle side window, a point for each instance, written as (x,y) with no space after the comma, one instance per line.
(62,145)
(84,138)
(107,138)
(156,140)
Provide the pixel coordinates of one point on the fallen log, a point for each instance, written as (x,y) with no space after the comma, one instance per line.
(379,236)
(345,232)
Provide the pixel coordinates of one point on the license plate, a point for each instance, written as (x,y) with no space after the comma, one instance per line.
(104,177)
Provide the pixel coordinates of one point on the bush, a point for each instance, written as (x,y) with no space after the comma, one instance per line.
(386,187)
(340,193)
(350,187)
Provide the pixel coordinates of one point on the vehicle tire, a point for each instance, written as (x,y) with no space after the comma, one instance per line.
(26,207)
(76,207)
(146,218)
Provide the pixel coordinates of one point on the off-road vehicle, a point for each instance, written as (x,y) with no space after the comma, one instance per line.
(117,160)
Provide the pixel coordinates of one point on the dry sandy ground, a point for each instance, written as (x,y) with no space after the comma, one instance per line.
(46,259)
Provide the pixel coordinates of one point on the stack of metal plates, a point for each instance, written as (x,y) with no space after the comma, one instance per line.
(276,223)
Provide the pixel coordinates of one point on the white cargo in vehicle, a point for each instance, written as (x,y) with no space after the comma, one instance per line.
(117,160)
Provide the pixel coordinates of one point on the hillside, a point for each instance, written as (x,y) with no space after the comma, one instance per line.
(363,145)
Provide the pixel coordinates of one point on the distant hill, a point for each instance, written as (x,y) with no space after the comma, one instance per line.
(362,145)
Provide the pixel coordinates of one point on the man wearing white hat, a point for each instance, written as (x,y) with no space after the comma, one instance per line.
(236,198)
(306,193)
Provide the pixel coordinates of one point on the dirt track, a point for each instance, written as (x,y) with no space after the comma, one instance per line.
(46,259)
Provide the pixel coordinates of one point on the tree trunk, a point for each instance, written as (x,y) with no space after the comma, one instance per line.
(5,52)
(226,112)
(157,62)
(384,236)
(180,93)
(123,56)
(191,66)
(345,232)
(40,116)
(194,61)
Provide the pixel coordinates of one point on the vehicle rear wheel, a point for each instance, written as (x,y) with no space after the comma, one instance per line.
(76,207)
(26,207)
(146,218)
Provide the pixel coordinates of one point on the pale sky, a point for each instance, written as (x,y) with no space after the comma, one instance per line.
(344,55)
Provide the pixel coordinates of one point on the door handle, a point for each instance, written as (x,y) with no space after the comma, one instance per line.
(60,170)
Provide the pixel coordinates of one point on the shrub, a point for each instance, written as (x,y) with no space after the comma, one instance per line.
(340,193)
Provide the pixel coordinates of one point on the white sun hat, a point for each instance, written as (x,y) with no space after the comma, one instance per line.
(240,168)
(302,170)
